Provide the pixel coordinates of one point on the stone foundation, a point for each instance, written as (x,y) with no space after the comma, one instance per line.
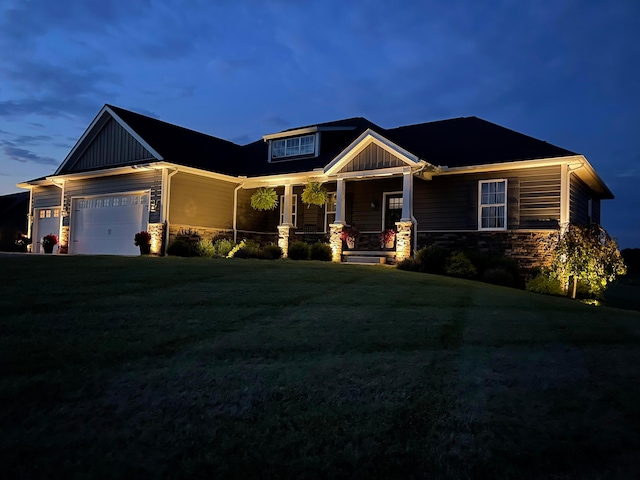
(261,238)
(530,249)
(205,233)
(156,230)
(403,240)
(335,241)
(64,240)
(283,239)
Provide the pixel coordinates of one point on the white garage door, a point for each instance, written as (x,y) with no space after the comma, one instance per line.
(47,221)
(108,223)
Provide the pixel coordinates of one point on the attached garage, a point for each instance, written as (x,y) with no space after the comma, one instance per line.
(106,224)
(47,220)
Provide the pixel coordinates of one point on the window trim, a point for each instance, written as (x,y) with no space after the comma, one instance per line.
(385,196)
(294,210)
(481,205)
(328,212)
(314,153)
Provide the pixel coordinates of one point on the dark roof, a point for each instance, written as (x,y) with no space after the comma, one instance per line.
(183,146)
(470,141)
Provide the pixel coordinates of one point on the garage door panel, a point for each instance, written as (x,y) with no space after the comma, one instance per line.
(47,220)
(107,224)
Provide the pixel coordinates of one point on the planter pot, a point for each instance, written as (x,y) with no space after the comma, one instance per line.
(47,248)
(351,243)
(388,244)
(145,249)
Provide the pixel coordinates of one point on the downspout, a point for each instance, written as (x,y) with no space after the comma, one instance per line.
(235,212)
(165,208)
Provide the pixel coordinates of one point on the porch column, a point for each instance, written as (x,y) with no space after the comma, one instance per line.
(288,198)
(340,203)
(564,198)
(407,194)
(335,240)
(403,240)
(283,239)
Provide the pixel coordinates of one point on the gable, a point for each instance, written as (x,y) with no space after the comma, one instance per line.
(112,146)
(373,157)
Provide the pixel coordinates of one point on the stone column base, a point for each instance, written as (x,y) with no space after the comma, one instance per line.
(403,240)
(335,240)
(283,239)
(64,240)
(156,230)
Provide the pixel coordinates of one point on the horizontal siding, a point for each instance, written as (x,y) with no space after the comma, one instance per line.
(578,201)
(359,196)
(254,220)
(46,196)
(201,201)
(451,202)
(595,211)
(371,158)
(142,180)
(112,146)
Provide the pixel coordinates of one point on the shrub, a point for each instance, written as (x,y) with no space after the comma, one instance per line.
(204,248)
(320,251)
(222,247)
(299,251)
(460,266)
(245,249)
(544,283)
(409,264)
(432,259)
(272,252)
(499,276)
(180,248)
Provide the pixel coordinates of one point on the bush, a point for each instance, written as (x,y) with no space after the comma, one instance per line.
(432,259)
(499,276)
(180,248)
(204,248)
(222,247)
(299,251)
(460,266)
(543,283)
(320,251)
(409,264)
(272,252)
(246,249)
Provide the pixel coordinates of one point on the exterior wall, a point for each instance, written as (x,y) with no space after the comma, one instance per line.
(49,196)
(579,195)
(140,180)
(201,202)
(451,202)
(111,146)
(360,195)
(371,158)
(530,248)
(250,220)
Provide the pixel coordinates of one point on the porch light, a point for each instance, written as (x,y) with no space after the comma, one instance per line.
(373,204)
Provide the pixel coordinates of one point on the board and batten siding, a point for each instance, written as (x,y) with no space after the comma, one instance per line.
(451,202)
(579,195)
(112,146)
(49,196)
(372,158)
(201,201)
(130,182)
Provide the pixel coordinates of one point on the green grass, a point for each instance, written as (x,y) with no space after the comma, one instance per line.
(191,368)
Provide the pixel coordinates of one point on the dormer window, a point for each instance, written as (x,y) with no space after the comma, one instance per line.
(293,147)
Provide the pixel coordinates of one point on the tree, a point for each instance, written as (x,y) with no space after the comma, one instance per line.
(587,254)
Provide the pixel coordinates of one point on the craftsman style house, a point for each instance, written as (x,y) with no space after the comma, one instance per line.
(463,183)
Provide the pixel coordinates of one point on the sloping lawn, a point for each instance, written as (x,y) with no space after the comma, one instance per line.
(192,368)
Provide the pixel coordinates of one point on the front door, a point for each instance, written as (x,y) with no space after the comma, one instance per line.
(392,210)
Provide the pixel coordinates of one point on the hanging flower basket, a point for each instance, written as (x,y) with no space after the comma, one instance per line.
(265,198)
(314,194)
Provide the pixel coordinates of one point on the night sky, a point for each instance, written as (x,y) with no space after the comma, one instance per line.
(563,71)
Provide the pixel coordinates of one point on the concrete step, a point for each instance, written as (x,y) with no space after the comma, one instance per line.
(365,259)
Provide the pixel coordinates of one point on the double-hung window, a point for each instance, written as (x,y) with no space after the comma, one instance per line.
(492,204)
(293,147)
(294,210)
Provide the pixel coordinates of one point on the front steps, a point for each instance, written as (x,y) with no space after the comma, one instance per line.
(367,257)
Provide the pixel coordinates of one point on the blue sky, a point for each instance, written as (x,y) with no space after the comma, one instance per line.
(566,71)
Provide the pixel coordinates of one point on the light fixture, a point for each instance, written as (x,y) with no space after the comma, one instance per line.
(373,204)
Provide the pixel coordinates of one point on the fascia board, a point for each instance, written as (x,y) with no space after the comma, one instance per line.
(290,133)
(364,140)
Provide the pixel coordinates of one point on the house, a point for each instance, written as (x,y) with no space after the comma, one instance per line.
(463,183)
(13,220)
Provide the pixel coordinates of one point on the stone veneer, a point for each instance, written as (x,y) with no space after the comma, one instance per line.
(335,241)
(206,233)
(529,248)
(64,240)
(283,239)
(156,230)
(403,240)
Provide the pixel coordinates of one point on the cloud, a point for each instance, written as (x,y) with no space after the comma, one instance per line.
(23,155)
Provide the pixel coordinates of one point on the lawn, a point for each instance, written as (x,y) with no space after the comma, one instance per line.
(192,368)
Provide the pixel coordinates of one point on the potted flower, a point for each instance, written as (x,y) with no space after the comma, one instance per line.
(143,240)
(349,235)
(48,242)
(387,237)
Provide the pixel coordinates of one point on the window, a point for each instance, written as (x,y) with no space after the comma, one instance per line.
(42,213)
(392,209)
(56,212)
(330,210)
(492,214)
(293,147)
(294,210)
